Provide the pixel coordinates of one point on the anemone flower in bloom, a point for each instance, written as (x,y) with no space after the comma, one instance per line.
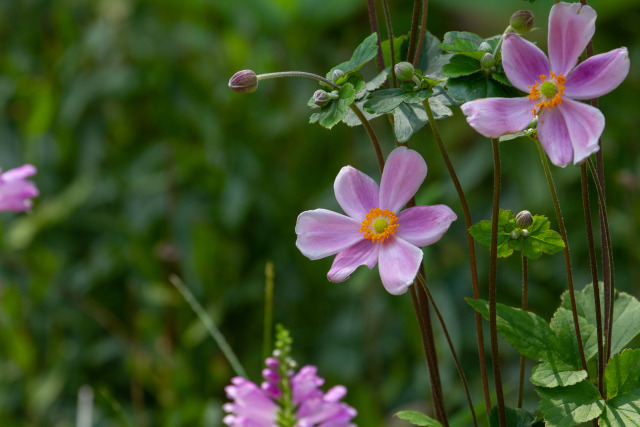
(255,406)
(375,231)
(15,191)
(567,129)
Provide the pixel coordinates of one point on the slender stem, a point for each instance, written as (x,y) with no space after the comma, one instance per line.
(280,74)
(493,270)
(472,251)
(423,29)
(567,258)
(268,309)
(372,135)
(525,306)
(594,273)
(209,325)
(373,20)
(451,347)
(387,19)
(413,36)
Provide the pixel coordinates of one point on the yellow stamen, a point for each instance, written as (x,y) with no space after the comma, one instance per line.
(547,101)
(379,225)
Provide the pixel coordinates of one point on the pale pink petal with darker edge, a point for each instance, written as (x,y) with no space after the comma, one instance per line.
(398,263)
(585,125)
(571,26)
(554,137)
(322,233)
(403,174)
(494,117)
(346,262)
(598,75)
(424,225)
(523,62)
(356,192)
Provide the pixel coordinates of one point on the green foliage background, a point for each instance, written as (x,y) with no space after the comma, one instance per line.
(149,165)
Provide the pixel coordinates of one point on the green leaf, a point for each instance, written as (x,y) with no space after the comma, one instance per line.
(525,331)
(540,239)
(400,45)
(569,406)
(626,314)
(461,65)
(432,59)
(622,373)
(410,118)
(481,232)
(386,100)
(515,417)
(622,411)
(509,137)
(377,81)
(556,374)
(478,85)
(418,419)
(500,77)
(333,112)
(564,327)
(351,120)
(461,41)
(365,52)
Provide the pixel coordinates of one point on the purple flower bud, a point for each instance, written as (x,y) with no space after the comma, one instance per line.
(244,81)
(522,21)
(272,363)
(270,376)
(524,219)
(336,75)
(321,98)
(15,191)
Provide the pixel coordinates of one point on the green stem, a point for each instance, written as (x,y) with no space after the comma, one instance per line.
(371,133)
(281,74)
(525,306)
(423,282)
(209,325)
(471,248)
(387,19)
(567,258)
(493,270)
(268,310)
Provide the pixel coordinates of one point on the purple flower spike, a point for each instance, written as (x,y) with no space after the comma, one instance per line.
(375,231)
(15,191)
(568,130)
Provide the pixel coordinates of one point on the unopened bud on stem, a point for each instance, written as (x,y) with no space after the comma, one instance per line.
(404,71)
(524,219)
(337,74)
(322,98)
(522,21)
(244,81)
(488,60)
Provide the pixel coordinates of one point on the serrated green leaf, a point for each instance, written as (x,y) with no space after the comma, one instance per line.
(556,374)
(569,406)
(460,65)
(515,417)
(509,137)
(622,411)
(525,331)
(377,81)
(400,45)
(365,52)
(626,314)
(478,85)
(408,119)
(351,120)
(418,419)
(622,374)
(540,239)
(459,41)
(500,77)
(335,111)
(384,100)
(481,232)
(432,58)
(563,326)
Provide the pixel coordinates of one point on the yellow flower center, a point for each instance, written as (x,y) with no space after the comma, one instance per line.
(548,92)
(379,225)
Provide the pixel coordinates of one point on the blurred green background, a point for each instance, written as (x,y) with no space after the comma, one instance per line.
(149,165)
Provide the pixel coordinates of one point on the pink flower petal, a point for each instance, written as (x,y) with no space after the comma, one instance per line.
(322,233)
(402,176)
(570,131)
(494,117)
(424,225)
(356,192)
(571,26)
(365,252)
(523,62)
(398,263)
(598,75)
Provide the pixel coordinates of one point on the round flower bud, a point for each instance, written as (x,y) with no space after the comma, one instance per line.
(522,21)
(337,74)
(321,98)
(488,60)
(524,219)
(485,47)
(515,234)
(244,81)
(404,71)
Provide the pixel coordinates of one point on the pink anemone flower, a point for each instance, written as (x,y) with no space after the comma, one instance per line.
(567,129)
(15,191)
(374,230)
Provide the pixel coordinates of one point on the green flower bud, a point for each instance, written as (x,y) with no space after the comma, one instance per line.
(524,219)
(485,47)
(522,21)
(244,81)
(337,74)
(515,234)
(488,60)
(404,71)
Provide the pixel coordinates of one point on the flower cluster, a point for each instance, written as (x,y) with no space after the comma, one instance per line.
(375,229)
(568,130)
(263,406)
(15,191)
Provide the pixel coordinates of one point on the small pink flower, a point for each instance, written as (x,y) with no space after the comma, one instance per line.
(15,191)
(568,130)
(375,231)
